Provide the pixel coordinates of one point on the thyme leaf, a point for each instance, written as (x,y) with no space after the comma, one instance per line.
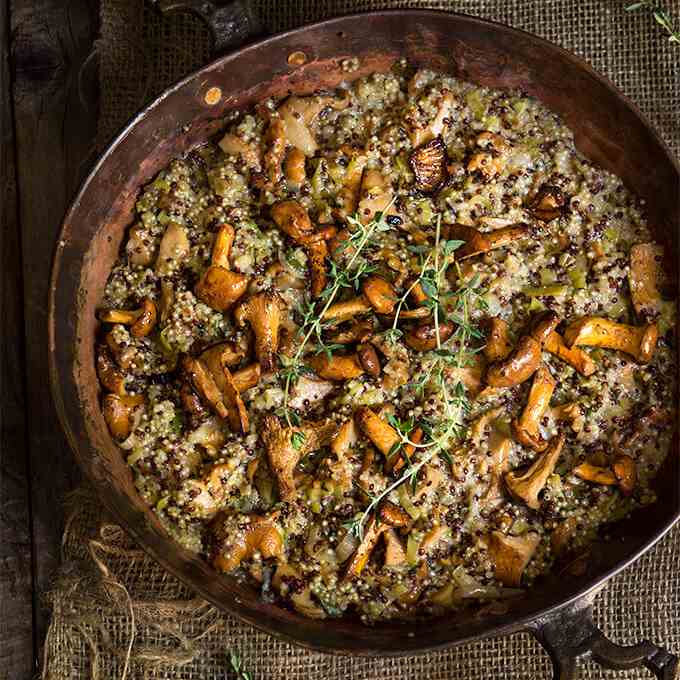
(661,17)
(237,666)
(442,433)
(361,238)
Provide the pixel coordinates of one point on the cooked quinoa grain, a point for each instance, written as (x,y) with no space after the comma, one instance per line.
(392,351)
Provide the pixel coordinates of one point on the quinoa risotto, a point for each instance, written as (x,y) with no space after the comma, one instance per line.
(394,350)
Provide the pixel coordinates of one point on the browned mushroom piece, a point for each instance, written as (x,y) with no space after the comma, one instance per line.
(192,404)
(139,247)
(233,145)
(646,278)
(317,252)
(417,293)
(298,113)
(518,367)
(572,413)
(231,353)
(219,287)
(110,376)
(428,163)
(506,236)
(548,203)
(525,428)
(377,294)
(209,492)
(345,438)
(292,218)
(263,313)
(119,411)
(420,134)
(337,367)
(542,325)
(418,313)
(638,341)
(527,485)
(247,377)
(396,369)
(395,554)
(173,249)
(372,532)
(344,441)
(384,437)
(166,301)
(290,583)
(476,242)
(397,460)
(294,169)
(368,358)
(275,138)
(489,161)
(203,383)
(344,311)
(625,472)
(498,344)
(393,515)
(595,474)
(256,534)
(348,194)
(287,445)
(655,416)
(562,535)
(141,321)
(424,337)
(380,294)
(521,364)
(574,356)
(215,359)
(511,555)
(358,331)
(146,321)
(375,196)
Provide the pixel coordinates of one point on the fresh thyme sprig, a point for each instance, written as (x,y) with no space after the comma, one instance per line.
(661,17)
(349,276)
(237,666)
(429,279)
(455,403)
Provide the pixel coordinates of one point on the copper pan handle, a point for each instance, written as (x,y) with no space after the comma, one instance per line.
(570,635)
(231,22)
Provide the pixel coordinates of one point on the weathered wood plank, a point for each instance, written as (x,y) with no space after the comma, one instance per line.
(55,122)
(16,606)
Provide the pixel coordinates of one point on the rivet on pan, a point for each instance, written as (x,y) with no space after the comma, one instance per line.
(297,58)
(212,96)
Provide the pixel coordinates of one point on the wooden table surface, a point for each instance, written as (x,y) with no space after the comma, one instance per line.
(49,114)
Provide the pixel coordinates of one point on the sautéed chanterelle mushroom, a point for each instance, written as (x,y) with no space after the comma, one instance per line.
(393,350)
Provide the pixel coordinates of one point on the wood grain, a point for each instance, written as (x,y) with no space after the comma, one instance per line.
(16,608)
(55,124)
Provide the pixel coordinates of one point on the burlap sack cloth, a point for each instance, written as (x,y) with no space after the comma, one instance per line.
(116,613)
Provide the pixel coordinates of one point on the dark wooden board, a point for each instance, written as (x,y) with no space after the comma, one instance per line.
(55,125)
(16,610)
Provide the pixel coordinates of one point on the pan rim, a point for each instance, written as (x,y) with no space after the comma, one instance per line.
(57,376)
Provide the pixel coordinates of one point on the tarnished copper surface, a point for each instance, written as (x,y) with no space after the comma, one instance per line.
(608,130)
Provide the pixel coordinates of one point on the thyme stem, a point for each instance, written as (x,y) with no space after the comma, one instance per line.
(314,326)
(661,17)
(453,406)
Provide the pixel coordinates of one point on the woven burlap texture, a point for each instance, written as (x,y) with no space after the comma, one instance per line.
(115,612)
